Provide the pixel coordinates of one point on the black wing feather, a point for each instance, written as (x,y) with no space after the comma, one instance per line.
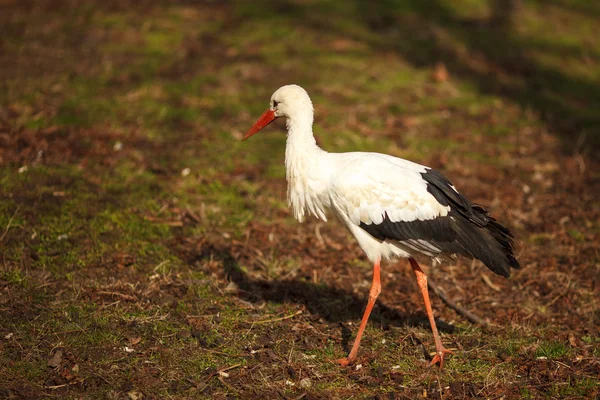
(468,229)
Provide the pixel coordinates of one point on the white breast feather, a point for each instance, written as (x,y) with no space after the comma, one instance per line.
(306,189)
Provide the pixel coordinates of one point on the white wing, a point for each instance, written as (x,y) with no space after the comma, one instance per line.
(371,185)
(374,186)
(389,203)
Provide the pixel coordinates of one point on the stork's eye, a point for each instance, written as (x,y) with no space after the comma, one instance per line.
(275,102)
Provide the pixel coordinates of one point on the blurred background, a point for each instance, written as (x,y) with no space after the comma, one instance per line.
(147,253)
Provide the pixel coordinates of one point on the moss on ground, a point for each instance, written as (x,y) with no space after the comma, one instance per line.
(146,252)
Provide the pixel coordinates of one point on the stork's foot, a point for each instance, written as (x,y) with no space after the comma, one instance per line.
(344,362)
(439,356)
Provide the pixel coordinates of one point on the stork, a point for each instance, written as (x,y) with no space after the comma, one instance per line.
(393,207)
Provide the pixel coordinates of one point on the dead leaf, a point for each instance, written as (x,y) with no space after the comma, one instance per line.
(344,45)
(440,73)
(68,375)
(56,359)
(573,340)
(133,340)
(134,395)
(408,121)
(232,287)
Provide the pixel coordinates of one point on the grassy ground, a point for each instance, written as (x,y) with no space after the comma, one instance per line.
(147,253)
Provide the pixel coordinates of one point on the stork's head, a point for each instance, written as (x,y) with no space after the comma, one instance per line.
(289,101)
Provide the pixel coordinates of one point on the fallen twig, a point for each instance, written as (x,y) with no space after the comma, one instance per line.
(162,221)
(460,310)
(218,372)
(75,382)
(280,318)
(318,234)
(225,354)
(228,368)
(9,223)
(121,295)
(227,385)
(192,214)
(564,292)
(486,279)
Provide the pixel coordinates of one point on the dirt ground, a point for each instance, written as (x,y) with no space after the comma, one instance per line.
(146,253)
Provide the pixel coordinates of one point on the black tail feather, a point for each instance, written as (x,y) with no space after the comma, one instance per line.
(479,235)
(496,247)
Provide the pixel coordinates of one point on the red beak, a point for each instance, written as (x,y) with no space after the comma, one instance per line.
(264,120)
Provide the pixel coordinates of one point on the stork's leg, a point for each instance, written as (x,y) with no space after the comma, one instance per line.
(422,282)
(373,293)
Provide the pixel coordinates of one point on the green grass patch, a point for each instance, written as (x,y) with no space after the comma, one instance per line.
(552,350)
(140,207)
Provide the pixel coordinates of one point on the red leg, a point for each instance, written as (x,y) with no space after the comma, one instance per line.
(373,293)
(422,282)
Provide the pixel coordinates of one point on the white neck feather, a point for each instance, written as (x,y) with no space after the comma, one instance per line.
(306,169)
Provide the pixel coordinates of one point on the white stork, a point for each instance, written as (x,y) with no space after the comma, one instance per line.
(393,207)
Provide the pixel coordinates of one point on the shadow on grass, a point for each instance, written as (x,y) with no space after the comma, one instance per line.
(499,60)
(489,52)
(333,304)
(551,76)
